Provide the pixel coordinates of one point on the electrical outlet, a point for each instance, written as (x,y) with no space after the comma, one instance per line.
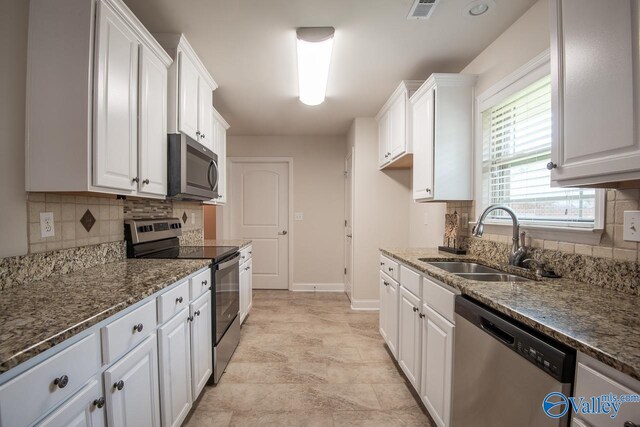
(631,226)
(46,225)
(299,216)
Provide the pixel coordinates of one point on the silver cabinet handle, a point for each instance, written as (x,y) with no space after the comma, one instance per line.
(282,233)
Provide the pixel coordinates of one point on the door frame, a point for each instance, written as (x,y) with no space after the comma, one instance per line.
(226,216)
(349,158)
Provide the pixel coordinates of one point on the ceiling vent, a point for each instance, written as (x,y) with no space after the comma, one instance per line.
(422,9)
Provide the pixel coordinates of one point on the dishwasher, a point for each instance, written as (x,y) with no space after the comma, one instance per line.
(503,370)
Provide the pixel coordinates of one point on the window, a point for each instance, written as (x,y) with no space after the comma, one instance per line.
(516,147)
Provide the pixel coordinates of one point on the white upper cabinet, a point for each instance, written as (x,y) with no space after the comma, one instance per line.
(115,141)
(442,135)
(190,91)
(394,128)
(595,84)
(152,147)
(110,136)
(219,134)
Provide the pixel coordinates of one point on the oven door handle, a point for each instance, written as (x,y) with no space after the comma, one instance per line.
(230,263)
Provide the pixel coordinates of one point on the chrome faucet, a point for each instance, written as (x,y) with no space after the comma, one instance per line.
(518,250)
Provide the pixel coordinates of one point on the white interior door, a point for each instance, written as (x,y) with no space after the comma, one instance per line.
(348,226)
(259,203)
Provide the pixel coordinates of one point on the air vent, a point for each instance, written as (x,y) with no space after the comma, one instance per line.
(422,9)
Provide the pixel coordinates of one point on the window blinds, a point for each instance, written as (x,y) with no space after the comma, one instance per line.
(516,136)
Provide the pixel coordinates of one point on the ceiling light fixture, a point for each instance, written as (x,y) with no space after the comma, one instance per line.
(314,55)
(480,7)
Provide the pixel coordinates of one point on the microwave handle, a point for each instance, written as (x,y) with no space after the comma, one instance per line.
(209,174)
(214,186)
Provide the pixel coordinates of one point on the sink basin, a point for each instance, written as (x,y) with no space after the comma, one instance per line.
(493,277)
(463,267)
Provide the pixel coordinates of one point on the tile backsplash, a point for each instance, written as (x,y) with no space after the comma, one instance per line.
(611,246)
(81,220)
(103,220)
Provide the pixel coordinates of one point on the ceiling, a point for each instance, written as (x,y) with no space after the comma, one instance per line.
(249,47)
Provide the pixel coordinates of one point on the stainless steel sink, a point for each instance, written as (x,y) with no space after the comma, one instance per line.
(493,277)
(463,267)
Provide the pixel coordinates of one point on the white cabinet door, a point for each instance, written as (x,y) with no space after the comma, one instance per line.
(249,288)
(398,134)
(437,365)
(595,91)
(423,134)
(409,348)
(131,387)
(152,152)
(384,307)
(188,92)
(201,343)
(392,317)
(220,135)
(115,141)
(244,275)
(84,409)
(175,369)
(205,119)
(384,129)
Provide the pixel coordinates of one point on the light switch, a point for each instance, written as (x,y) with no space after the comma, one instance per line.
(46,224)
(631,226)
(299,216)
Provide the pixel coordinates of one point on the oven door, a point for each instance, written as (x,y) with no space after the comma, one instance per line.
(226,294)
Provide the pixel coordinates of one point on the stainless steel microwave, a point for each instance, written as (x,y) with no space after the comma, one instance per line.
(192,169)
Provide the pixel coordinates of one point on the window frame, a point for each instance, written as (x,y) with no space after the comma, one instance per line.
(526,75)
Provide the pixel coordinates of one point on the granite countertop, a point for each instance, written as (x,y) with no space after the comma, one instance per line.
(241,243)
(600,322)
(36,316)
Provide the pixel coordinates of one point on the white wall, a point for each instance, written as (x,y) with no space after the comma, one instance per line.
(13,68)
(318,192)
(381,210)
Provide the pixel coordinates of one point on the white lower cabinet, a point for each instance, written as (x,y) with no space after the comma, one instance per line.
(201,346)
(246,289)
(131,387)
(175,369)
(437,365)
(84,409)
(409,335)
(389,312)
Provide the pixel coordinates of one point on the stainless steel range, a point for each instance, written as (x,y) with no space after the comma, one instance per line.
(158,238)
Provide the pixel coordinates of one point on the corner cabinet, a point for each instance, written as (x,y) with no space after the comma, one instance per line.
(190,96)
(110,137)
(595,93)
(394,128)
(442,135)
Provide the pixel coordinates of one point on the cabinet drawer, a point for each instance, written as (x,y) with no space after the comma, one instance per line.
(119,336)
(390,267)
(34,393)
(79,410)
(246,254)
(200,284)
(171,302)
(590,382)
(410,280)
(439,299)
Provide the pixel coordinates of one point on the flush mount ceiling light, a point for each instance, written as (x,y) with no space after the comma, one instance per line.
(480,7)
(314,55)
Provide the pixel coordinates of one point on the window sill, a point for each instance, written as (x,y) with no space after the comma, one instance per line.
(585,236)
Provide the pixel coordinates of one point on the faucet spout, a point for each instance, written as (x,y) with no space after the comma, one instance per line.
(518,251)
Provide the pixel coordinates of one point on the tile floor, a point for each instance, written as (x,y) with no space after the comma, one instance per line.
(307,359)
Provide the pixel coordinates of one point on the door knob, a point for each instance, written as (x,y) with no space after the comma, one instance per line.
(282,233)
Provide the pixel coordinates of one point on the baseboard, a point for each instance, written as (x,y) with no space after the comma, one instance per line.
(317,287)
(365,304)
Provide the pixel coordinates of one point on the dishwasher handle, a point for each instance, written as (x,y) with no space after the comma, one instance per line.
(496,332)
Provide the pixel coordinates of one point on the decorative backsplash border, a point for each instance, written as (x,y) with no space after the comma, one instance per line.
(23,269)
(608,273)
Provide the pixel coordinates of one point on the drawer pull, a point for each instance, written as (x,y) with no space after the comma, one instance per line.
(197,313)
(179,300)
(62,381)
(205,282)
(415,309)
(390,268)
(422,316)
(99,403)
(382,263)
(386,283)
(138,328)
(119,385)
